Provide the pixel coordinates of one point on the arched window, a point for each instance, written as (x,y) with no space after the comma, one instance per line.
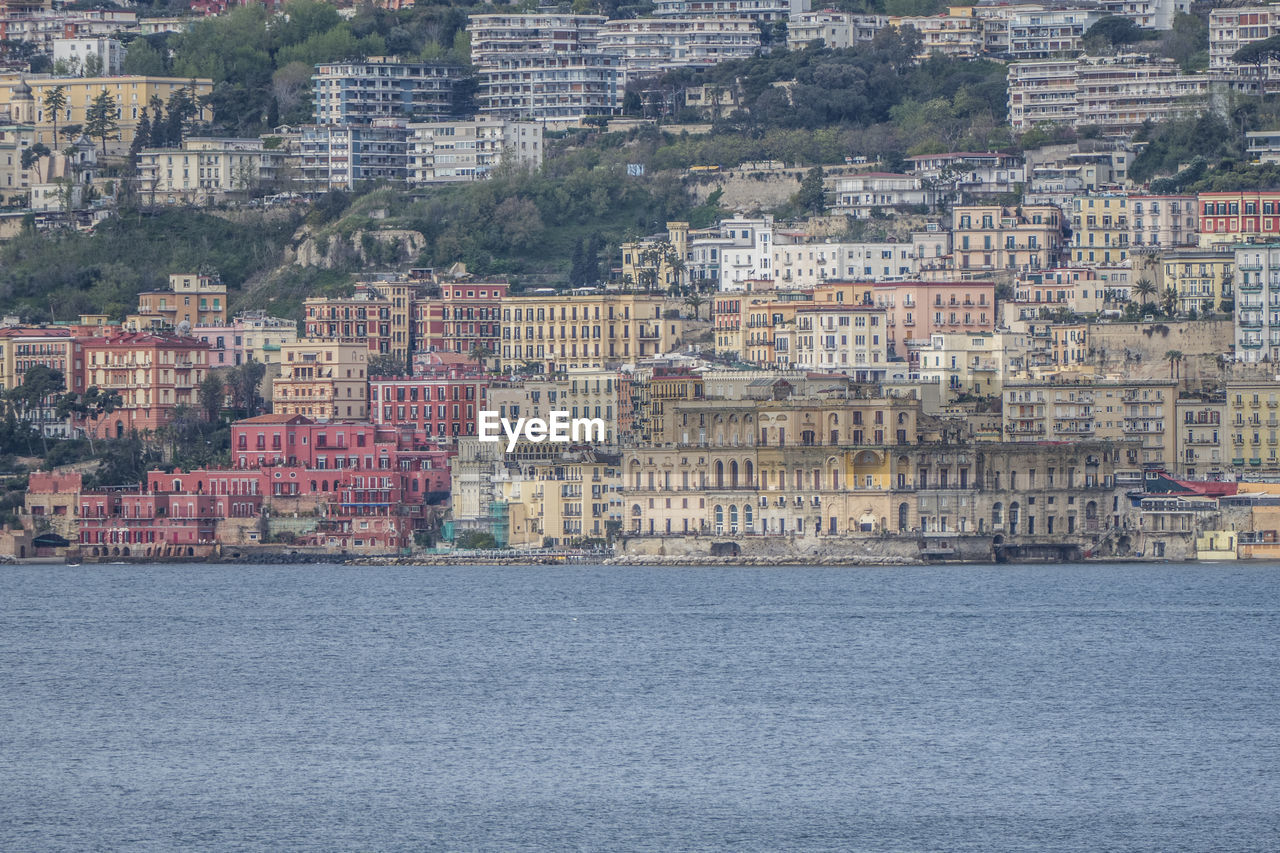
(719,519)
(748,519)
(997,514)
(733,519)
(733,474)
(903,514)
(1013,517)
(749,473)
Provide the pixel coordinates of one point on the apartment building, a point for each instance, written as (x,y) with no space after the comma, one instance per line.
(452,151)
(1100,229)
(544,67)
(919,309)
(849,339)
(1162,220)
(990,237)
(731,254)
(195,299)
(323,379)
(835,30)
(583,393)
(561,502)
(1238,217)
(1200,438)
(1042,33)
(986,172)
(957,33)
(1142,411)
(1257,315)
(153,372)
(1253,424)
(384,87)
(1201,279)
(250,336)
(88,56)
(862,195)
(1116,93)
(440,404)
(376,315)
(1079,289)
(801,264)
(552,331)
(342,156)
(463,319)
(131,94)
(650,47)
(1232,28)
(206,170)
(974,363)
(755,10)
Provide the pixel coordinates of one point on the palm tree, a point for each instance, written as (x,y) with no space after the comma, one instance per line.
(1170,301)
(1175,363)
(1145,288)
(695,300)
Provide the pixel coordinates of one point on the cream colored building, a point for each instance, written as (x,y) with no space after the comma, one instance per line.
(558,331)
(989,237)
(1100,229)
(206,170)
(192,298)
(323,379)
(452,151)
(849,339)
(1253,423)
(1201,439)
(977,363)
(1108,409)
(583,393)
(560,502)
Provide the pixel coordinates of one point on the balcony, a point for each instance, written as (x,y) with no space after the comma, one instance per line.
(1251,287)
(1251,344)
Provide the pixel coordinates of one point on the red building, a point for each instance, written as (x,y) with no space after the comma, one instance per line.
(153,373)
(464,316)
(440,402)
(1239,216)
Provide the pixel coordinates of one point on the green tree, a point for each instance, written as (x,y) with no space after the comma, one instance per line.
(244,380)
(212,396)
(1174,358)
(100,119)
(812,195)
(1145,288)
(55,101)
(1114,30)
(32,157)
(90,405)
(143,59)
(384,364)
(1258,53)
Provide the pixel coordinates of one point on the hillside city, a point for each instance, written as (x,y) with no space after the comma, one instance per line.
(887,282)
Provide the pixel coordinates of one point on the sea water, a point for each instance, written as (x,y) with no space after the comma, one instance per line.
(203,707)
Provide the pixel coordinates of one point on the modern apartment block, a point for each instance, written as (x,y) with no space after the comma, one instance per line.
(88,57)
(544,67)
(1233,28)
(468,150)
(384,87)
(835,30)
(756,10)
(650,47)
(1258,303)
(341,156)
(861,195)
(1040,33)
(1115,93)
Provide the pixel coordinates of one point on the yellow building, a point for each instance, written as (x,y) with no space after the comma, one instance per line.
(582,393)
(1106,410)
(1100,229)
(989,237)
(1202,279)
(555,331)
(192,298)
(323,379)
(560,502)
(658,264)
(1253,423)
(132,94)
(205,170)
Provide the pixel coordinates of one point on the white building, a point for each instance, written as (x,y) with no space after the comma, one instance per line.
(544,67)
(1043,33)
(1116,93)
(450,151)
(859,195)
(800,264)
(652,46)
(849,339)
(383,87)
(971,171)
(732,253)
(836,30)
(88,57)
(1233,28)
(205,170)
(756,10)
(1258,303)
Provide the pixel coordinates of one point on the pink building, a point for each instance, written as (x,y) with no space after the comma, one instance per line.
(918,309)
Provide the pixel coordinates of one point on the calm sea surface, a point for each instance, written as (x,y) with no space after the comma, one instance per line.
(333,708)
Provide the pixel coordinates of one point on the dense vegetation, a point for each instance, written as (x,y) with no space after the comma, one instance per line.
(59,275)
